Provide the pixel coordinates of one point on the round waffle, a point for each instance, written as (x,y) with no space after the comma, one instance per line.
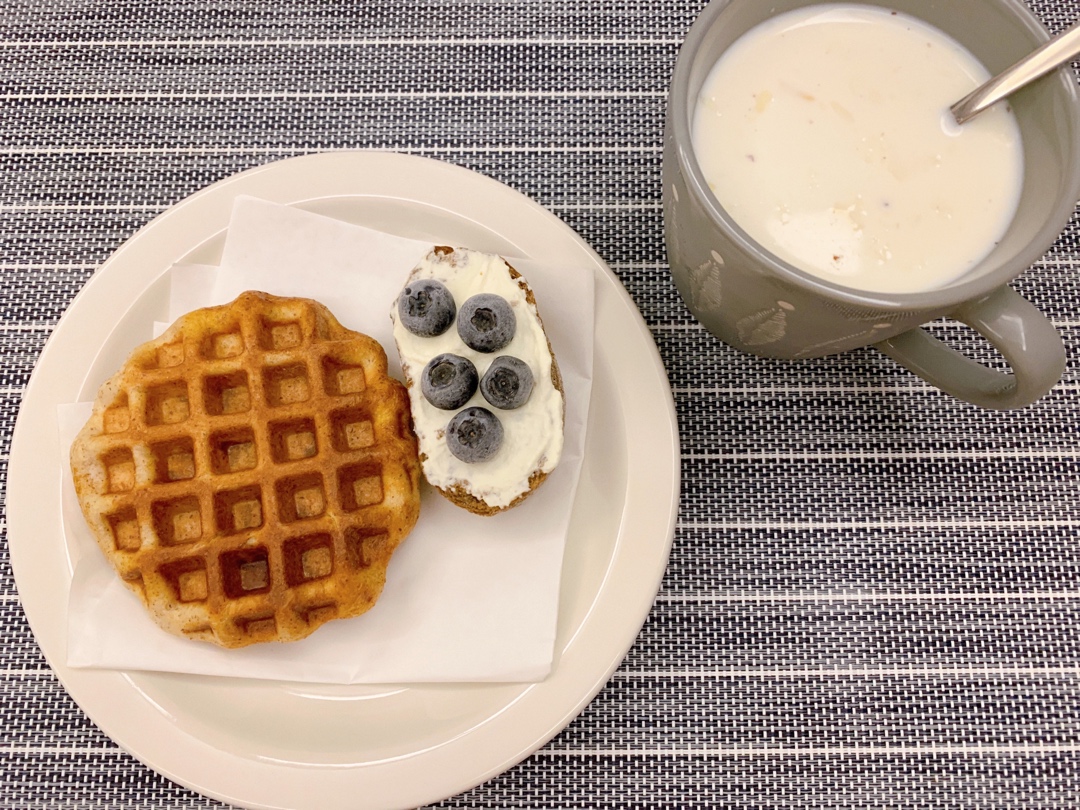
(250,472)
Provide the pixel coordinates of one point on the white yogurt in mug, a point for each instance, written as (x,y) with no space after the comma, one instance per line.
(825,133)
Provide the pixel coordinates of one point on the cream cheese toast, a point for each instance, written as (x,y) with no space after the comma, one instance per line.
(484,386)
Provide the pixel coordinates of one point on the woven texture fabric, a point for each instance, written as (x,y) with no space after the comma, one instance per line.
(874,590)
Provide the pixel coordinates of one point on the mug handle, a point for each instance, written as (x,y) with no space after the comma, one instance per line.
(1023,335)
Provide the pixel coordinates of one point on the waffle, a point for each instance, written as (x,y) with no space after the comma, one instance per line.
(250,472)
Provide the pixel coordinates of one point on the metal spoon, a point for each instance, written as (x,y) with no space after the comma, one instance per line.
(1062,48)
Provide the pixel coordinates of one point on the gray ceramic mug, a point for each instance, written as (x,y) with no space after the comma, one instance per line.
(758,303)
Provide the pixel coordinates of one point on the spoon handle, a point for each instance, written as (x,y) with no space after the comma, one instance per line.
(1038,63)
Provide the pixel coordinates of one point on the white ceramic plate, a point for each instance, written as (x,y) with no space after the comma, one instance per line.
(266,744)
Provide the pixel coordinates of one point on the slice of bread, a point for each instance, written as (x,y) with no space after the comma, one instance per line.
(532,433)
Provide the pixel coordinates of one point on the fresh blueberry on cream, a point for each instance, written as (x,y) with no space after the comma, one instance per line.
(426,307)
(507,383)
(448,381)
(486,322)
(474,434)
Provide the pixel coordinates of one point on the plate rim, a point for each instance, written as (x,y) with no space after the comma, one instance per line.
(567,695)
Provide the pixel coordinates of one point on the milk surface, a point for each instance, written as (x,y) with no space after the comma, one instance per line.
(825,133)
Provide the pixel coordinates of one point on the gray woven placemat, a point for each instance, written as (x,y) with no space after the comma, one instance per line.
(873,591)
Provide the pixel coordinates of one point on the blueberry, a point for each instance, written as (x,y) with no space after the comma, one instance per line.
(507,383)
(448,381)
(426,307)
(486,323)
(474,434)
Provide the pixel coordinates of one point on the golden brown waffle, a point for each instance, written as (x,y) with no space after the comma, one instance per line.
(250,472)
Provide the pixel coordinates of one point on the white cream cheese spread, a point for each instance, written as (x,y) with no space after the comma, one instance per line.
(532,433)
